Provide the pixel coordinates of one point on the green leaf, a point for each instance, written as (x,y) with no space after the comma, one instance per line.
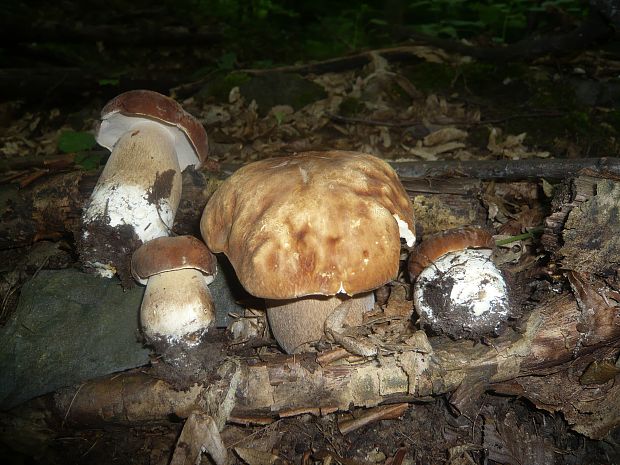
(88,161)
(72,141)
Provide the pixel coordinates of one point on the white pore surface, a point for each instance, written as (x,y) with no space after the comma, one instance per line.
(478,284)
(404,231)
(128,204)
(177,304)
(114,125)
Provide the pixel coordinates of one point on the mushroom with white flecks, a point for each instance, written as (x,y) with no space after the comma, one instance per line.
(177,308)
(458,290)
(309,232)
(152,140)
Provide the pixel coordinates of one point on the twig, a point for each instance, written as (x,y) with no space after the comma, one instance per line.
(520,237)
(62,425)
(370,122)
(401,124)
(558,168)
(388,412)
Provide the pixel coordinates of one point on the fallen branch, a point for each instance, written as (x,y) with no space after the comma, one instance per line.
(109,34)
(404,124)
(592,29)
(558,168)
(50,209)
(556,333)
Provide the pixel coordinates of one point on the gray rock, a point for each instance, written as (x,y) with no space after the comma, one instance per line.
(71,326)
(68,327)
(273,89)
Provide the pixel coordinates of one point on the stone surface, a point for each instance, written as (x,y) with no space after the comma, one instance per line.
(68,327)
(71,326)
(273,89)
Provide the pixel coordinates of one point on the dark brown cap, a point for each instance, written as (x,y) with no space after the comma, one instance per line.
(318,223)
(170,254)
(452,240)
(154,106)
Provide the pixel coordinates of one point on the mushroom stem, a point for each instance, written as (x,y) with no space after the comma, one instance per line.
(295,322)
(140,187)
(177,308)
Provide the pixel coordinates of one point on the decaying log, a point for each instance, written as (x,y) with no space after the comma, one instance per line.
(559,168)
(109,34)
(555,334)
(581,206)
(51,207)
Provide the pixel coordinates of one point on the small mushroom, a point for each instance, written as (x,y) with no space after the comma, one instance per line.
(152,140)
(458,290)
(177,309)
(310,232)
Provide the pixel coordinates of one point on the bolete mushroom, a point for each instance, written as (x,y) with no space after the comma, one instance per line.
(152,140)
(177,309)
(458,290)
(309,231)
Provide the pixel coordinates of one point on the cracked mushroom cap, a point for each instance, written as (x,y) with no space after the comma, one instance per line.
(318,223)
(170,254)
(130,108)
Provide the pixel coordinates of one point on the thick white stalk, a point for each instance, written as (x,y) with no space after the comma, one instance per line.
(177,307)
(140,186)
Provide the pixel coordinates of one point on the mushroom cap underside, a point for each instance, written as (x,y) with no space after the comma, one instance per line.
(135,106)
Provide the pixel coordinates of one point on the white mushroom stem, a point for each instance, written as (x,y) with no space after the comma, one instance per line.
(140,185)
(295,322)
(177,307)
(462,292)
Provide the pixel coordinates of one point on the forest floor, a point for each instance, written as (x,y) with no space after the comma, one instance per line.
(421,104)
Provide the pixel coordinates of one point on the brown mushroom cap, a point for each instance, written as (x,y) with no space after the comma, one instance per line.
(436,245)
(153,106)
(169,254)
(316,223)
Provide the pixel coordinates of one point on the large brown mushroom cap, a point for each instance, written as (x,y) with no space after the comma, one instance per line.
(170,254)
(315,223)
(153,106)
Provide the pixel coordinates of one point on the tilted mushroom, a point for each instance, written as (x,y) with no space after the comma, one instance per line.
(177,308)
(309,231)
(458,290)
(152,140)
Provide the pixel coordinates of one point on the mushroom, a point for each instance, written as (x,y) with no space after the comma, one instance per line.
(458,290)
(309,232)
(152,140)
(177,308)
